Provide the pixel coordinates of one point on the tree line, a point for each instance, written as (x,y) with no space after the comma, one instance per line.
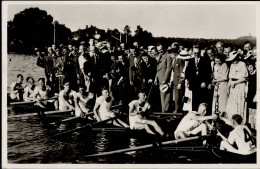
(34,28)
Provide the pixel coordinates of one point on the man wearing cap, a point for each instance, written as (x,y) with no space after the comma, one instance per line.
(164,67)
(198,73)
(179,78)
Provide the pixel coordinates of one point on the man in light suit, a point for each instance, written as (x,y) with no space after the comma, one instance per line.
(164,67)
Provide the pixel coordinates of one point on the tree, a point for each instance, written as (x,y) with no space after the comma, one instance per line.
(33,28)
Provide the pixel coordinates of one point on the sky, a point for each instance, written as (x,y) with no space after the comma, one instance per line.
(227,21)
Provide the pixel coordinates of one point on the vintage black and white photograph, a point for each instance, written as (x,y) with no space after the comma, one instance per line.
(129,83)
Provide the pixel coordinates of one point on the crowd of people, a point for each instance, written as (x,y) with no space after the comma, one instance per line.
(216,80)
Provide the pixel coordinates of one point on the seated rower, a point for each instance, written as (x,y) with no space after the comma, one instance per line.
(83,102)
(138,112)
(240,136)
(29,89)
(102,109)
(194,123)
(17,89)
(42,96)
(66,97)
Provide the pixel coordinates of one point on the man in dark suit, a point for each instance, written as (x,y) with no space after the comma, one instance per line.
(198,73)
(148,70)
(164,67)
(134,70)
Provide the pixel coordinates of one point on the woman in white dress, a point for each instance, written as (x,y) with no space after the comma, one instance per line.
(237,88)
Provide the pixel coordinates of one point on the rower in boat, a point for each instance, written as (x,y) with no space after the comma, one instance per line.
(102,109)
(17,89)
(83,102)
(29,89)
(194,123)
(42,96)
(66,97)
(240,136)
(138,114)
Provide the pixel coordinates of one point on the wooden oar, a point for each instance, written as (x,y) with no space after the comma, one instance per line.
(72,118)
(143,147)
(46,113)
(13,104)
(63,133)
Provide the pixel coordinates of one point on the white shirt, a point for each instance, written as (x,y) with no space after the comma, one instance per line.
(241,135)
(81,60)
(136,106)
(188,123)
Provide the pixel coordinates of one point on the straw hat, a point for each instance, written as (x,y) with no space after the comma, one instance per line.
(249,53)
(164,88)
(232,55)
(184,55)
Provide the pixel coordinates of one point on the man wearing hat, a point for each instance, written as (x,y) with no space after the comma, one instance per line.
(164,67)
(179,78)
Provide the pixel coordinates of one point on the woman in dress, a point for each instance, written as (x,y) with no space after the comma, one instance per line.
(237,87)
(220,81)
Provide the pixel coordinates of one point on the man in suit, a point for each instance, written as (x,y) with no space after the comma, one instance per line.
(134,70)
(198,73)
(179,79)
(164,67)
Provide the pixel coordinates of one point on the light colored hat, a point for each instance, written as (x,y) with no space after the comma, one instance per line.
(169,48)
(249,53)
(232,55)
(150,47)
(67,84)
(174,44)
(184,55)
(164,88)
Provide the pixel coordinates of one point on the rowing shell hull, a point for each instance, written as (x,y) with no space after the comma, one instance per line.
(229,157)
(22,104)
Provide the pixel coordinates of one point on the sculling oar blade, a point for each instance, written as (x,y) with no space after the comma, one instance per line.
(143,147)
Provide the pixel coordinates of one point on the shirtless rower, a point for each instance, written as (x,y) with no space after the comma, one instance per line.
(66,97)
(138,112)
(82,102)
(17,89)
(240,135)
(29,89)
(193,123)
(42,96)
(102,109)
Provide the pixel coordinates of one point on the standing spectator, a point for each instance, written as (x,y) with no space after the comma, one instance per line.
(71,68)
(236,87)
(179,79)
(220,78)
(134,71)
(49,68)
(251,93)
(198,74)
(148,70)
(164,67)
